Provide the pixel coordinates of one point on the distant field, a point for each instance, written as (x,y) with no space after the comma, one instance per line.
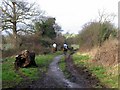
(75,46)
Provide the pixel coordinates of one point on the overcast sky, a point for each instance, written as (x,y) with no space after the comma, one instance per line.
(71,15)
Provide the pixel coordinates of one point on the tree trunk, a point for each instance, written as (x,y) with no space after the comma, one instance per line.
(15,36)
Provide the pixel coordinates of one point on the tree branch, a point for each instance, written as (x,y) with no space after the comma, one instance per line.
(5,12)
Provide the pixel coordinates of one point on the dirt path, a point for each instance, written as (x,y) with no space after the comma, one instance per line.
(54,78)
(81,75)
(55,73)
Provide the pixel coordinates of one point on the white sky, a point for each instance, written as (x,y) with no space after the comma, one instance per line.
(71,15)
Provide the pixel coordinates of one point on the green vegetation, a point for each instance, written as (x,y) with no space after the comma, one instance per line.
(8,73)
(10,78)
(0,71)
(81,60)
(109,80)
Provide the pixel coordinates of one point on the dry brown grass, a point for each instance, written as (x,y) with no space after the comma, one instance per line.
(107,54)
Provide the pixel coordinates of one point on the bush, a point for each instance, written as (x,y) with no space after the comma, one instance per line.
(10,52)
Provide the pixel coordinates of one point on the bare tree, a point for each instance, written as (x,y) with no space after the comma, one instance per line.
(105,17)
(16,14)
(105,28)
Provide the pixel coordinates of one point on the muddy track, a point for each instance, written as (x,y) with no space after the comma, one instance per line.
(54,78)
(81,75)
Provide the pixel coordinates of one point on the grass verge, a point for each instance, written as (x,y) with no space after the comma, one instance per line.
(111,81)
(10,78)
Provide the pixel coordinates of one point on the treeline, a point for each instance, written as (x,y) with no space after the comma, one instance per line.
(95,33)
(27,27)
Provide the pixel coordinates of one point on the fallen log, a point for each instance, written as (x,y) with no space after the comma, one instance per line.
(25,59)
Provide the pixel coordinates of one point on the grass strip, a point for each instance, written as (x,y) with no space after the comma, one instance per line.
(63,67)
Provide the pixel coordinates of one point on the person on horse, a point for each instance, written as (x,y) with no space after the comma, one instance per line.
(54,47)
(65,48)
